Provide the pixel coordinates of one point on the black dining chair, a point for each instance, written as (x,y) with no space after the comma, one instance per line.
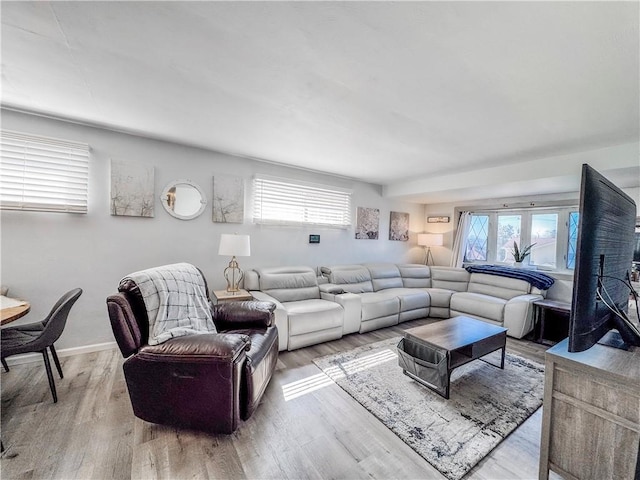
(38,336)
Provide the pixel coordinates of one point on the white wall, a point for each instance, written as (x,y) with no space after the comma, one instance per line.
(46,254)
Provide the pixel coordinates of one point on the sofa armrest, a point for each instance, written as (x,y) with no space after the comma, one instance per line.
(200,348)
(352,305)
(331,288)
(249,314)
(518,315)
(281,318)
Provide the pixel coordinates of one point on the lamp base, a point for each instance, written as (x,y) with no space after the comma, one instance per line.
(234,275)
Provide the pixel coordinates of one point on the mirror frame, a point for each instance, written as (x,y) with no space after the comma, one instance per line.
(165,192)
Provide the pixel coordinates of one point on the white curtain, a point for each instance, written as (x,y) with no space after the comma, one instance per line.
(460,240)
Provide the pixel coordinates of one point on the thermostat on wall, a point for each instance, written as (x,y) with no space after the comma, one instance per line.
(314,238)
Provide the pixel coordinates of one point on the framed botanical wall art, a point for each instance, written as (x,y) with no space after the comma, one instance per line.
(367,223)
(228,199)
(132,189)
(399,226)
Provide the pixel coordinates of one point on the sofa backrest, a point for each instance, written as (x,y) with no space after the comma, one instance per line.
(352,278)
(289,284)
(415,275)
(450,278)
(497,286)
(384,275)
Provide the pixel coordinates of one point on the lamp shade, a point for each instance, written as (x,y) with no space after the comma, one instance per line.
(235,245)
(430,239)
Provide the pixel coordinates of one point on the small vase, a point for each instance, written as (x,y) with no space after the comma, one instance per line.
(517,265)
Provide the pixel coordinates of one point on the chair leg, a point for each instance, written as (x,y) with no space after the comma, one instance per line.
(4,364)
(56,361)
(47,365)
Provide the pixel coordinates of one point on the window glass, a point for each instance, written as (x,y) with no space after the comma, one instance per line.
(573,239)
(508,232)
(476,245)
(544,233)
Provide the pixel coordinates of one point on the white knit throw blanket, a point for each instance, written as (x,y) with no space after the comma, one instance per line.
(175,297)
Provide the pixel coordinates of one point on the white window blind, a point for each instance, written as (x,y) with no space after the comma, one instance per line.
(43,174)
(285,202)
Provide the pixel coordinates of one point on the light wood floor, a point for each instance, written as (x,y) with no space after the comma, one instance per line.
(91,432)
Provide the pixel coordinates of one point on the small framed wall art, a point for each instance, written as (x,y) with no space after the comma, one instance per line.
(438,219)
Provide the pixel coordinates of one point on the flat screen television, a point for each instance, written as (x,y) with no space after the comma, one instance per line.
(604,257)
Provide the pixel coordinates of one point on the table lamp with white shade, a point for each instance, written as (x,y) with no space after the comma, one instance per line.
(428,240)
(236,246)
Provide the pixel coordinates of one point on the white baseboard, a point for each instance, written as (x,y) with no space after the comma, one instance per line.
(66,352)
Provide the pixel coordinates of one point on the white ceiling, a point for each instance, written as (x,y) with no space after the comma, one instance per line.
(400,94)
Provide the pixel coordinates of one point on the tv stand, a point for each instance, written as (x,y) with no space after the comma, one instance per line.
(591,413)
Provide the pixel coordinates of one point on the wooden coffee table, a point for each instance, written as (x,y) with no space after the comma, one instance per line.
(462,340)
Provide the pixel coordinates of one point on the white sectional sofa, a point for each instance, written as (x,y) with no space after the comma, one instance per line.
(364,297)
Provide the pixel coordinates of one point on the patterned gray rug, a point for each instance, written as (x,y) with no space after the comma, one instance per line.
(485,405)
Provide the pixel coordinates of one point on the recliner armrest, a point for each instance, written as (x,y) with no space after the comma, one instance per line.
(249,314)
(201,348)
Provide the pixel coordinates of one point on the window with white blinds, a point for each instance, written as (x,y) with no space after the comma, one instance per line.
(285,202)
(43,174)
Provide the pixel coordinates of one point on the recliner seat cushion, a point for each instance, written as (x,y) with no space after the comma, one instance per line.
(478,304)
(307,316)
(379,304)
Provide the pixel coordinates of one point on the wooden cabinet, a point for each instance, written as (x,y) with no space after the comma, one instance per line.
(591,413)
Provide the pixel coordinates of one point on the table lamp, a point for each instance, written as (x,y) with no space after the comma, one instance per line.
(428,240)
(236,246)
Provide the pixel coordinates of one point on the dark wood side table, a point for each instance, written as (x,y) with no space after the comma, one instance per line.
(222,296)
(540,308)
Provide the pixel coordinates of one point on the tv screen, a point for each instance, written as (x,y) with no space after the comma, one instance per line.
(605,248)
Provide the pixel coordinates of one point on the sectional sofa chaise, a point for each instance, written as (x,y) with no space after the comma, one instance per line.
(346,299)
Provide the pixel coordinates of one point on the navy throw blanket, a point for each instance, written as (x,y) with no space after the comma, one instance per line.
(535,278)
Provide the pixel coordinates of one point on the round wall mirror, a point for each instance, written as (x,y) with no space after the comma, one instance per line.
(183,199)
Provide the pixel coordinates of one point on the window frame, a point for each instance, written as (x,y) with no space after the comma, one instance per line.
(526,213)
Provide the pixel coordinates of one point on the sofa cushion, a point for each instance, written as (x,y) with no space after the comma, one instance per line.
(313,315)
(440,297)
(384,275)
(379,304)
(496,286)
(288,284)
(415,275)
(450,278)
(410,298)
(352,278)
(479,305)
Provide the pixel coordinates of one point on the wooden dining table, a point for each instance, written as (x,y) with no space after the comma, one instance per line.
(14,309)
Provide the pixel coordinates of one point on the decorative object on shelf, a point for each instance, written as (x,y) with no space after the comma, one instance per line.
(236,246)
(438,219)
(367,223)
(428,240)
(183,199)
(132,189)
(399,226)
(520,254)
(228,199)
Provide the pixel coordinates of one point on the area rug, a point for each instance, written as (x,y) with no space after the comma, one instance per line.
(485,405)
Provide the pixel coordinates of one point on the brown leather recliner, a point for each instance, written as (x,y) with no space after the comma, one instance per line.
(206,381)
